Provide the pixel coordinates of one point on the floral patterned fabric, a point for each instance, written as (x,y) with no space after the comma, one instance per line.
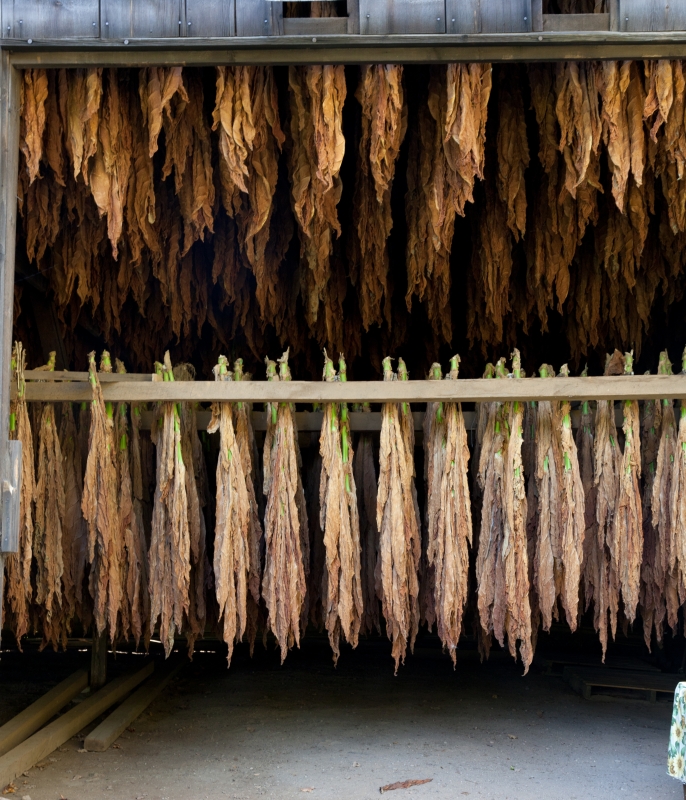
(676,755)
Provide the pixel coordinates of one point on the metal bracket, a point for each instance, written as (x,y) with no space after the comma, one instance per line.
(11,494)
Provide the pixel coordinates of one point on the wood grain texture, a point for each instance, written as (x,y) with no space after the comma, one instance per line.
(399,49)
(652,15)
(37,714)
(636,387)
(402,16)
(576,22)
(314,26)
(210,18)
(142,19)
(105,377)
(111,728)
(41,744)
(463,16)
(505,16)
(40,19)
(257,17)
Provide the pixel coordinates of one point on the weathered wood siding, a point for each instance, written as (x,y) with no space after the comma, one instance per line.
(142,19)
(402,16)
(47,19)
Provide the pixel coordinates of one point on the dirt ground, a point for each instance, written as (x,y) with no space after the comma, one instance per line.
(307,729)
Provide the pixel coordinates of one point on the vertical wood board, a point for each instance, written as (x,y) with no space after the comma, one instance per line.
(257,17)
(380,17)
(652,15)
(463,16)
(505,16)
(50,19)
(209,18)
(142,19)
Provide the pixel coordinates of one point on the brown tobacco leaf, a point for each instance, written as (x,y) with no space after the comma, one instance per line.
(677,500)
(404,784)
(83,90)
(627,535)
(18,588)
(32,115)
(232,532)
(170,539)
(196,495)
(607,466)
(381,95)
(664,555)
(247,450)
(157,87)
(449,518)
(397,517)
(513,151)
(447,154)
(317,94)
(101,510)
(502,568)
(284,585)
(48,528)
(364,471)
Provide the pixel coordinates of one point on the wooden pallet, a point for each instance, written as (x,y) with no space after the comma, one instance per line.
(644,685)
(556,663)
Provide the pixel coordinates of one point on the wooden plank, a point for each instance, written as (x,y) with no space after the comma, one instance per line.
(625,679)
(401,49)
(256,17)
(314,26)
(556,664)
(98,674)
(536,15)
(652,15)
(353,16)
(42,743)
(210,18)
(141,19)
(463,16)
(505,16)
(82,377)
(40,19)
(37,714)
(110,729)
(402,16)
(638,387)
(576,22)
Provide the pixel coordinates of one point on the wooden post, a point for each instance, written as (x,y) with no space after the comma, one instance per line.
(98,661)
(536,15)
(9,164)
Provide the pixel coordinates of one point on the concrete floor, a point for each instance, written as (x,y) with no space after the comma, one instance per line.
(262,730)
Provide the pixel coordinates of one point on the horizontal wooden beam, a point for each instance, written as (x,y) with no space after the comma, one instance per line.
(636,387)
(348,49)
(105,377)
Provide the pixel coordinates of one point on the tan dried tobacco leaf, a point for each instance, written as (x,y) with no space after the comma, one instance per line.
(381,96)
(284,585)
(397,517)
(32,115)
(340,523)
(449,518)
(83,92)
(170,539)
(157,88)
(232,531)
(18,587)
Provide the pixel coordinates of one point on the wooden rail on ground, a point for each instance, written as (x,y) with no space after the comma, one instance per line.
(55,387)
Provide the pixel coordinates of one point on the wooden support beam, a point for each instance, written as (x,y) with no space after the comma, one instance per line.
(37,714)
(42,743)
(98,676)
(110,729)
(347,49)
(624,387)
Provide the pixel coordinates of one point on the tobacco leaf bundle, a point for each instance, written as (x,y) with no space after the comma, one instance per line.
(678,497)
(340,523)
(384,124)
(627,543)
(170,538)
(502,568)
(49,525)
(607,465)
(446,156)
(449,518)
(18,587)
(664,557)
(317,94)
(397,517)
(232,532)
(284,587)
(34,93)
(364,470)
(101,510)
(137,579)
(247,450)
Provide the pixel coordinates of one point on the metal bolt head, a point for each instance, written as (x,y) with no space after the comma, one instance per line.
(126,41)
(30,41)
(314,38)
